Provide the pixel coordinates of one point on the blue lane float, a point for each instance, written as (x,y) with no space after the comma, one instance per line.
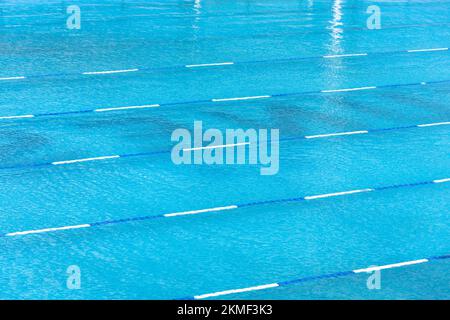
(218,100)
(223,64)
(168,151)
(223,208)
(314,278)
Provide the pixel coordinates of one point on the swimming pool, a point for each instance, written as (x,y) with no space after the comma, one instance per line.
(88,180)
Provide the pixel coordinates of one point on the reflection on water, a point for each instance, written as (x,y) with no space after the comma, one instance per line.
(197,6)
(336,27)
(198,12)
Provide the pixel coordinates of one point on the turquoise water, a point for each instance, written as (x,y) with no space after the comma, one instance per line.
(249,246)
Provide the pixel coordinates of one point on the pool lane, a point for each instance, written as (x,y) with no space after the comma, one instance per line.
(95,53)
(30,142)
(412,282)
(106,46)
(218,252)
(70,194)
(88,92)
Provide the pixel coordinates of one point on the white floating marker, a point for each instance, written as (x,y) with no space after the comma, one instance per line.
(209,64)
(185,213)
(241,98)
(222,293)
(18,117)
(12,78)
(85,160)
(127,108)
(345,55)
(218,146)
(442,180)
(428,50)
(336,134)
(336,194)
(110,71)
(349,89)
(22,233)
(390,266)
(434,124)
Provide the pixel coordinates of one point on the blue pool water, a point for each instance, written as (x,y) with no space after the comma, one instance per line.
(277,48)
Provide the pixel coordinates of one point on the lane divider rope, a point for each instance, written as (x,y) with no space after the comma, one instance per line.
(109,72)
(227,63)
(152,153)
(223,208)
(316,277)
(219,100)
